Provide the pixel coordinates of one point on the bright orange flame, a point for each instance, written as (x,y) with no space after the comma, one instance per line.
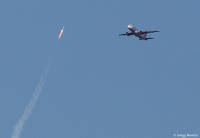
(61,32)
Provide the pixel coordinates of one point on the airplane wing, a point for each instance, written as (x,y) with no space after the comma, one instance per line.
(146,32)
(127,33)
(121,34)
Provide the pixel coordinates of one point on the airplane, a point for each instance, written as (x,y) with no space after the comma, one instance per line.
(142,35)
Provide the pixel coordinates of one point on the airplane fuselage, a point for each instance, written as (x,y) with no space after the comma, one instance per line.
(137,33)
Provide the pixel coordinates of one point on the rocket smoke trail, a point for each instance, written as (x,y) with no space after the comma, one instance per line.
(28,110)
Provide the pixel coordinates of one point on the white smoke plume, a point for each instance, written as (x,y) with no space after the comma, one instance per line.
(28,110)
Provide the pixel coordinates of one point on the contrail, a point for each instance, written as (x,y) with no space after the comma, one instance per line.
(28,110)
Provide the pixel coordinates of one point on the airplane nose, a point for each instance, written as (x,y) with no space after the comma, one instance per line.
(130,26)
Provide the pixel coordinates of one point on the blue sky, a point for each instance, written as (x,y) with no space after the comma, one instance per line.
(99,84)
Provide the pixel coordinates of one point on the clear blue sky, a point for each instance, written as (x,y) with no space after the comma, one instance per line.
(100,85)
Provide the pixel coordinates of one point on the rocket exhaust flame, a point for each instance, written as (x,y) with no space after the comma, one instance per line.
(61,32)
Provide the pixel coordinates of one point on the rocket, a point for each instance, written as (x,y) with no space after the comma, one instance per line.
(61,32)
